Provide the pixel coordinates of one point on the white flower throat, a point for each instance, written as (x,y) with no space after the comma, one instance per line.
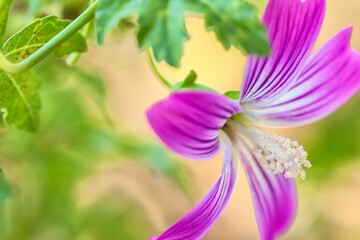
(276,153)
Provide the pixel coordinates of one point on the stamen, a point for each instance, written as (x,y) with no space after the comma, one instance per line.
(276,153)
(281,155)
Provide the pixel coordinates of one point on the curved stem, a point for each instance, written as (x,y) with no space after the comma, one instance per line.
(156,70)
(7,66)
(50,46)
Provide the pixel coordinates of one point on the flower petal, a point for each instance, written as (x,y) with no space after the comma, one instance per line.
(274,197)
(189,122)
(293,27)
(329,79)
(197,222)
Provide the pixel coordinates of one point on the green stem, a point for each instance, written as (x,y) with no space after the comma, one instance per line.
(85,32)
(50,46)
(156,70)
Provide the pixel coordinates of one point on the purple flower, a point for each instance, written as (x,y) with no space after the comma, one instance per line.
(286,89)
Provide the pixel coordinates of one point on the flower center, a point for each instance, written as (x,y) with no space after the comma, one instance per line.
(276,153)
(281,155)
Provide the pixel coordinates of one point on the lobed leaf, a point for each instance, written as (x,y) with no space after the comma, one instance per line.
(161,24)
(19,97)
(20,100)
(25,42)
(162,27)
(235,23)
(110,13)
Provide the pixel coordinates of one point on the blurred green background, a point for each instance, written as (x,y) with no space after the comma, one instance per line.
(95,170)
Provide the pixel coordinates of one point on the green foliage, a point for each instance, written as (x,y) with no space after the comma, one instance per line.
(161,24)
(5,6)
(77,136)
(20,100)
(233,94)
(190,83)
(73,140)
(5,188)
(111,12)
(68,9)
(107,218)
(19,97)
(85,133)
(25,42)
(190,78)
(162,27)
(235,23)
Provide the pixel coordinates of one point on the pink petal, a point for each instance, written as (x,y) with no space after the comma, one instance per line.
(293,27)
(189,122)
(274,197)
(330,78)
(198,221)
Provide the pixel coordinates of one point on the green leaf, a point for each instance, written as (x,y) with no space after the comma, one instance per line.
(190,78)
(5,188)
(190,83)
(162,27)
(235,23)
(161,24)
(25,42)
(110,13)
(19,100)
(233,94)
(5,6)
(195,86)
